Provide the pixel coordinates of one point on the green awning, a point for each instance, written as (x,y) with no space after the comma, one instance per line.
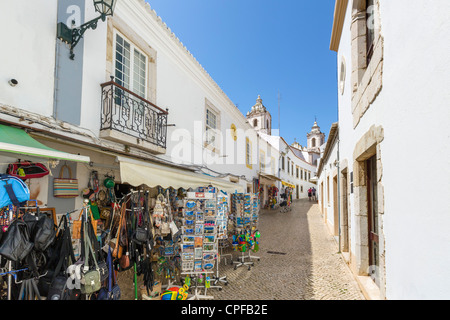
(16,140)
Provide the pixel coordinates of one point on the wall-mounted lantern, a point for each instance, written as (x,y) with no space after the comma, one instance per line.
(73,36)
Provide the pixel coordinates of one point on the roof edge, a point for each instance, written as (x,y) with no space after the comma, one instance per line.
(340,9)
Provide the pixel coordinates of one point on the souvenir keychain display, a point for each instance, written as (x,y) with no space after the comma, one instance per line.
(245,236)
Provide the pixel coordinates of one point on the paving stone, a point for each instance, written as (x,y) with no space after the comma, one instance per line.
(311,269)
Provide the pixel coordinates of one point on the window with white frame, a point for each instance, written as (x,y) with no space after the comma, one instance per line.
(248,153)
(262,161)
(212,125)
(130,66)
(272,165)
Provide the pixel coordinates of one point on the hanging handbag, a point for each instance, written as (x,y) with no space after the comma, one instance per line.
(12,191)
(117,248)
(16,244)
(76,230)
(102,266)
(54,286)
(42,230)
(143,232)
(27,170)
(90,278)
(124,261)
(65,187)
(113,291)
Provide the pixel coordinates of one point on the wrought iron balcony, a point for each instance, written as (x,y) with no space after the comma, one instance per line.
(125,115)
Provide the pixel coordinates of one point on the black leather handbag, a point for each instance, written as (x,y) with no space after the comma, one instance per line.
(54,285)
(42,230)
(16,244)
(143,233)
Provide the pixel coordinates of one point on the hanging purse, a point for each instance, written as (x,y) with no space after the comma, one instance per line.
(27,170)
(16,244)
(102,266)
(117,248)
(76,230)
(90,279)
(12,191)
(65,187)
(124,262)
(113,291)
(143,232)
(43,233)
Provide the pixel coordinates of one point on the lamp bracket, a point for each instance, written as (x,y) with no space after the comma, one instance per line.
(73,36)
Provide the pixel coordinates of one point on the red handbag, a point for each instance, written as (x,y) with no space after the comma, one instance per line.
(27,170)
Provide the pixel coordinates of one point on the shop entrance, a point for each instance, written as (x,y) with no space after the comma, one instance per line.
(335,207)
(345,222)
(372,207)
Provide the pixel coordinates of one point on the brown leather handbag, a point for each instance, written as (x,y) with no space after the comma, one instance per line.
(124,262)
(118,249)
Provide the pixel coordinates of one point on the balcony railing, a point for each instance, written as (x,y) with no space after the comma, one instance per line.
(128,113)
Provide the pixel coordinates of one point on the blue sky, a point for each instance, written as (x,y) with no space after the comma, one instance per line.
(252,47)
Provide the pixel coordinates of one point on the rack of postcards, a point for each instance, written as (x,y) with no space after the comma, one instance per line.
(199,247)
(256,205)
(222,216)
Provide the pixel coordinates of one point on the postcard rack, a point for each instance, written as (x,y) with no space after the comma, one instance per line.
(199,247)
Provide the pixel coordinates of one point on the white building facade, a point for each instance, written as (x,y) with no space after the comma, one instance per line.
(392,91)
(132,102)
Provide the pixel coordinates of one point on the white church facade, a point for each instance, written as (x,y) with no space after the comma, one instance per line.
(296,165)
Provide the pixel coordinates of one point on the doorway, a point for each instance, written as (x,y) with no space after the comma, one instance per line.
(321,197)
(335,207)
(372,210)
(345,221)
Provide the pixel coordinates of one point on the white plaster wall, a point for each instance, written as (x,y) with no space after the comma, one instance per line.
(412,108)
(329,170)
(94,65)
(27,54)
(346,134)
(181,86)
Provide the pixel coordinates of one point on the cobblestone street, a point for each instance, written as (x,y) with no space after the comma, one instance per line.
(311,269)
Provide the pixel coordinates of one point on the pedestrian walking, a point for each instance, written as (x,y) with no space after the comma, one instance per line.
(309,194)
(314,194)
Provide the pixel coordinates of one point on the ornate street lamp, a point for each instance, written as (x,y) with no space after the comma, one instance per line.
(73,36)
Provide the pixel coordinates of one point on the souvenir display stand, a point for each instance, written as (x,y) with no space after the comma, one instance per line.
(199,247)
(245,215)
(222,236)
(287,203)
(272,193)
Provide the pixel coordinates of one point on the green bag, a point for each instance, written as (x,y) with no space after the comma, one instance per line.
(94,209)
(90,279)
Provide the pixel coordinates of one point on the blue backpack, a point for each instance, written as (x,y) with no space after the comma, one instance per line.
(12,191)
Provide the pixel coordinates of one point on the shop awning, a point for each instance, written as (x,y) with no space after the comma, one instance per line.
(137,173)
(287,184)
(17,141)
(269,177)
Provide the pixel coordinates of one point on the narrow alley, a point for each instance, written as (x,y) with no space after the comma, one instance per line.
(299,261)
